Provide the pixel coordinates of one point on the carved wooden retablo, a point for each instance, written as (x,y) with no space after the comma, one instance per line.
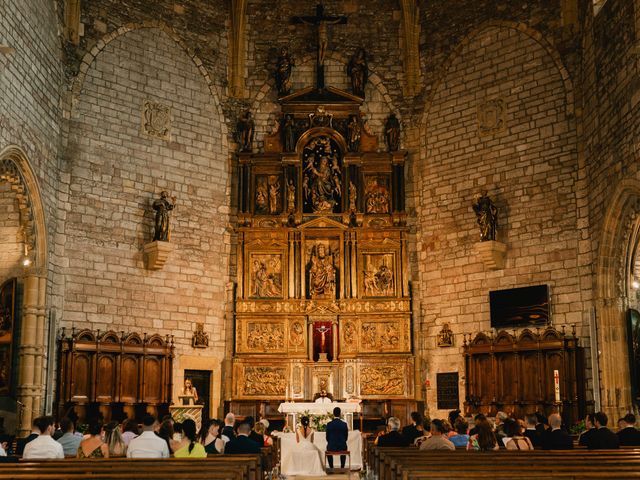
(323,299)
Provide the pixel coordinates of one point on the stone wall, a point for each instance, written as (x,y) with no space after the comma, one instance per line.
(527,160)
(117,165)
(11,238)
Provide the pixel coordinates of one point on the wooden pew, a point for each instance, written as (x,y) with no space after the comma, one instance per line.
(219,467)
(413,464)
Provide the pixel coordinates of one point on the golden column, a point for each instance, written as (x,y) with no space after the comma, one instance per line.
(31,350)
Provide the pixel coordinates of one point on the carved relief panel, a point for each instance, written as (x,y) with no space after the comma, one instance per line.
(260,336)
(384,334)
(265,275)
(268,194)
(262,381)
(383,380)
(378,275)
(377,194)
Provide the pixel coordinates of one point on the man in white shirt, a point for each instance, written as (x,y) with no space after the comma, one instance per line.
(44,446)
(148,444)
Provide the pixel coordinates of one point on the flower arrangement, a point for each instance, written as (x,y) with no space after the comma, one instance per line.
(317,422)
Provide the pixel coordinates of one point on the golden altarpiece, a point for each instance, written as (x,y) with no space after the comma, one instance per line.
(323,299)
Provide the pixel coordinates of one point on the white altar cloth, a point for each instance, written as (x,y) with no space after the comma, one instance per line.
(288,445)
(318,408)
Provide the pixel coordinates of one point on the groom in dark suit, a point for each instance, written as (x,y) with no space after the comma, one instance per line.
(337,433)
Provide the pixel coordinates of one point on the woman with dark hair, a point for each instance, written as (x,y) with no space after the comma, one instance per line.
(166,433)
(93,446)
(305,458)
(484,439)
(129,431)
(113,439)
(210,437)
(514,439)
(189,447)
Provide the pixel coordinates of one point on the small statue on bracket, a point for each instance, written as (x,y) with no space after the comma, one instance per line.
(445,337)
(200,338)
(353,134)
(289,133)
(358,71)
(245,129)
(487,216)
(163,206)
(392,133)
(284,64)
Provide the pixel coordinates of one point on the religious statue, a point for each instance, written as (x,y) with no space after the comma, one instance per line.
(353,134)
(245,130)
(321,22)
(392,133)
(323,396)
(322,273)
(376,196)
(188,390)
(322,181)
(284,64)
(291,197)
(487,215)
(200,338)
(358,70)
(262,196)
(353,196)
(445,337)
(289,133)
(162,206)
(379,283)
(274,194)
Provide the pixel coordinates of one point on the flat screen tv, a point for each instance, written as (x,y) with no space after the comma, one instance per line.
(519,307)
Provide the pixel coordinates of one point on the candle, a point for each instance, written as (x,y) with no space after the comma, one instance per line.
(556,383)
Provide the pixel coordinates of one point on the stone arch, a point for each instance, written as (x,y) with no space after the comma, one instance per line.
(91,55)
(16,169)
(534,34)
(617,245)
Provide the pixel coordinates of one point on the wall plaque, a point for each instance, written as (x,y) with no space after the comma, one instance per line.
(448,391)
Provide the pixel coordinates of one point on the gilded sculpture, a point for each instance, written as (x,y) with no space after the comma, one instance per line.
(322,176)
(274,194)
(266,276)
(296,335)
(291,196)
(289,133)
(486,215)
(353,196)
(265,336)
(322,272)
(163,206)
(378,275)
(376,195)
(381,335)
(354,131)
(262,195)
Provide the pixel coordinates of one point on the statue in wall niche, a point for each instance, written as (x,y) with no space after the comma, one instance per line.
(291,197)
(262,196)
(358,71)
(163,206)
(200,338)
(274,194)
(322,272)
(445,336)
(486,214)
(392,133)
(246,127)
(289,133)
(284,65)
(353,134)
(353,196)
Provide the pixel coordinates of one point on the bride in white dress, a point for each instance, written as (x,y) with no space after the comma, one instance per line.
(305,458)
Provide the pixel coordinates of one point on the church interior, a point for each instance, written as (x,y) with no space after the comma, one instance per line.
(415,205)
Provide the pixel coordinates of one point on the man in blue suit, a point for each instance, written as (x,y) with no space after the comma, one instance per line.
(337,433)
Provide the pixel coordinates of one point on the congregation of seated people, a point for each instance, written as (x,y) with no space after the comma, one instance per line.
(534,431)
(150,439)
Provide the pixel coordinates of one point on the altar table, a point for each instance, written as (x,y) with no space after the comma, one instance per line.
(294,410)
(288,444)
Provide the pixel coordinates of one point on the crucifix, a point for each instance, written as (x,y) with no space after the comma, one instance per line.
(321,21)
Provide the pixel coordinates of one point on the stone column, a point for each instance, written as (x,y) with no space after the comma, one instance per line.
(31,350)
(416,347)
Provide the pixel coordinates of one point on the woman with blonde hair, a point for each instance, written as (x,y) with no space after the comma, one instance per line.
(113,439)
